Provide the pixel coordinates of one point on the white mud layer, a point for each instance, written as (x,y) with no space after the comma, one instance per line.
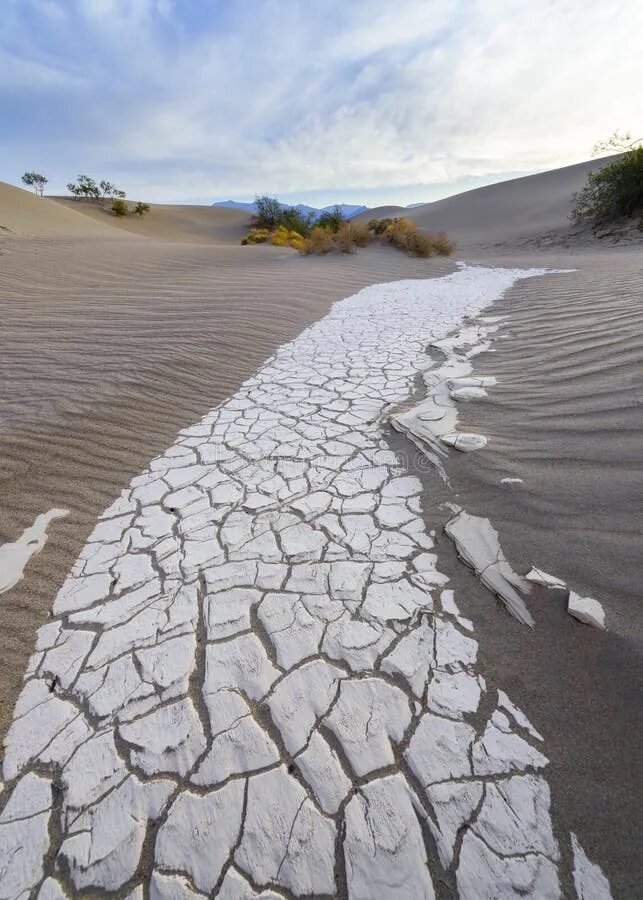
(431,423)
(253,684)
(15,556)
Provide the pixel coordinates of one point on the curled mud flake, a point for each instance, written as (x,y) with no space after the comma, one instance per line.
(589,879)
(15,556)
(477,543)
(537,576)
(321,769)
(586,610)
(466,441)
(514,818)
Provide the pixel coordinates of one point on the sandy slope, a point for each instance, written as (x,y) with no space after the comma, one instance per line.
(506,214)
(23,214)
(169,222)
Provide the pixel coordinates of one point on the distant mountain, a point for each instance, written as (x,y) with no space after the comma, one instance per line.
(349,209)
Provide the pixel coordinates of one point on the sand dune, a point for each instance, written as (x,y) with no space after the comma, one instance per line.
(22,214)
(170,222)
(508,214)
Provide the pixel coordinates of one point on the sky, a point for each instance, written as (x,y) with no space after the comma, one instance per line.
(313,101)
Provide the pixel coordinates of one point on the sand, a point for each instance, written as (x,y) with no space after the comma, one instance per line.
(118,333)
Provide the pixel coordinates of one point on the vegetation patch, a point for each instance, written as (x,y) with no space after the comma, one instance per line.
(405,235)
(615,192)
(333,233)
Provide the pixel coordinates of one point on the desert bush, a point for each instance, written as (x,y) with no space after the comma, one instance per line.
(441,244)
(418,243)
(352,235)
(614,192)
(405,235)
(119,208)
(272,215)
(141,209)
(378,226)
(320,240)
(36,181)
(268,214)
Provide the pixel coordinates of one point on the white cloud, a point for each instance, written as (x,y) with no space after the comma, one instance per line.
(198,100)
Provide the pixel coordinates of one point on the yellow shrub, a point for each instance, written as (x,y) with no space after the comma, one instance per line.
(256,236)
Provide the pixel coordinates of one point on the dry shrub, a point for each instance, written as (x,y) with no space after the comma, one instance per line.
(362,237)
(399,232)
(352,235)
(320,240)
(419,243)
(441,244)
(405,235)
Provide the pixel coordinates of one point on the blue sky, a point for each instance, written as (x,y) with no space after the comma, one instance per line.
(369,101)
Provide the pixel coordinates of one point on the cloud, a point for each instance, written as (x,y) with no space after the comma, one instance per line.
(218,99)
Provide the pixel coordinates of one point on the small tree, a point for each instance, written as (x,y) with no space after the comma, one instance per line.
(36,181)
(119,208)
(107,188)
(85,187)
(269,212)
(141,209)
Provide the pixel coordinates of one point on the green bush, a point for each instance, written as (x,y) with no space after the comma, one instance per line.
(614,192)
(141,209)
(332,219)
(119,208)
(271,215)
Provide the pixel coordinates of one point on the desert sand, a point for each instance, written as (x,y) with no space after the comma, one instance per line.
(118,334)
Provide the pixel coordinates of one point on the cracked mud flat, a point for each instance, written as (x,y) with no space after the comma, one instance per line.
(254,682)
